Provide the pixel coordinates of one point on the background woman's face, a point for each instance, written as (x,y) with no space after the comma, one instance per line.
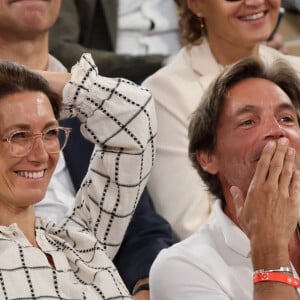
(240,23)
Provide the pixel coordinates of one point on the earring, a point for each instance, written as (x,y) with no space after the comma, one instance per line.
(202,25)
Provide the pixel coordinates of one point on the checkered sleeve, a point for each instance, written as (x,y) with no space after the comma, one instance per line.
(119,118)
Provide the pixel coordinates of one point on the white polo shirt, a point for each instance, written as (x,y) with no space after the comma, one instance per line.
(212,264)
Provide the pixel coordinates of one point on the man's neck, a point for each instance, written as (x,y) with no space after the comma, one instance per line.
(33,53)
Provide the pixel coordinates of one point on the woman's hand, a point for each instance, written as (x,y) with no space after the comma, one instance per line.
(277,42)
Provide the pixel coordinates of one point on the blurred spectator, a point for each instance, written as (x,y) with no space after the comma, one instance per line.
(129,38)
(290,26)
(291,5)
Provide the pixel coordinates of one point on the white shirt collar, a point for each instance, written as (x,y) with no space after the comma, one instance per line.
(234,237)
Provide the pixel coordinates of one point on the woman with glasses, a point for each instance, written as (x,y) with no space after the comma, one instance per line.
(71,260)
(215,34)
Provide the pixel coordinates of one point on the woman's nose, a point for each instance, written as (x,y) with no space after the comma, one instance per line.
(38,151)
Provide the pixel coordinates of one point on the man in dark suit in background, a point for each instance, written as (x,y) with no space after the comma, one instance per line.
(92,26)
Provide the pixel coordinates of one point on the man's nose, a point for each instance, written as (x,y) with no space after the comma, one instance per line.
(273,129)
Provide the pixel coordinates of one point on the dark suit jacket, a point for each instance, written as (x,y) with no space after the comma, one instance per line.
(147,232)
(91,26)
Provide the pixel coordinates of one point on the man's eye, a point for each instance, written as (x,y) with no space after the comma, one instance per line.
(247,123)
(286,119)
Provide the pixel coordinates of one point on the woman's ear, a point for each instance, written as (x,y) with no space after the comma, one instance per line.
(194,6)
(208,162)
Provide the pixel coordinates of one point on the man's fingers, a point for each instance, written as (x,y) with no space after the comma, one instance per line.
(263,165)
(287,171)
(277,162)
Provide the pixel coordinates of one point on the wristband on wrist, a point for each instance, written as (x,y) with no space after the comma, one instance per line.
(276,276)
(281,270)
(142,287)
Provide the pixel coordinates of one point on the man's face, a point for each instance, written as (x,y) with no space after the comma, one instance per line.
(27,17)
(255,111)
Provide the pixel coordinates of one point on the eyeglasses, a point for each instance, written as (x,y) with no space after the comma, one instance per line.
(21,142)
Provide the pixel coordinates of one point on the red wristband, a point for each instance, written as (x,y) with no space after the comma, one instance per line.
(276,276)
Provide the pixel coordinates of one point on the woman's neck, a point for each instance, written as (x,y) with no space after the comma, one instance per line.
(227,53)
(25,219)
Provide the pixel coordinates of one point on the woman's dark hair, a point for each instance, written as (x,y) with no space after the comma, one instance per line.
(15,78)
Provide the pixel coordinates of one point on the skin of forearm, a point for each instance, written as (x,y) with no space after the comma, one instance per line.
(142,295)
(269,255)
(57,80)
(275,291)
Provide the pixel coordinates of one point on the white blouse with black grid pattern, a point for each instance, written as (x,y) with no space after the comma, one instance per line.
(119,118)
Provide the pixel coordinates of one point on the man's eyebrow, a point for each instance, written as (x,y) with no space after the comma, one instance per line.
(250,108)
(245,109)
(288,106)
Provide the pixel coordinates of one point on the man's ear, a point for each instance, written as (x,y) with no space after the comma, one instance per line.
(208,162)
